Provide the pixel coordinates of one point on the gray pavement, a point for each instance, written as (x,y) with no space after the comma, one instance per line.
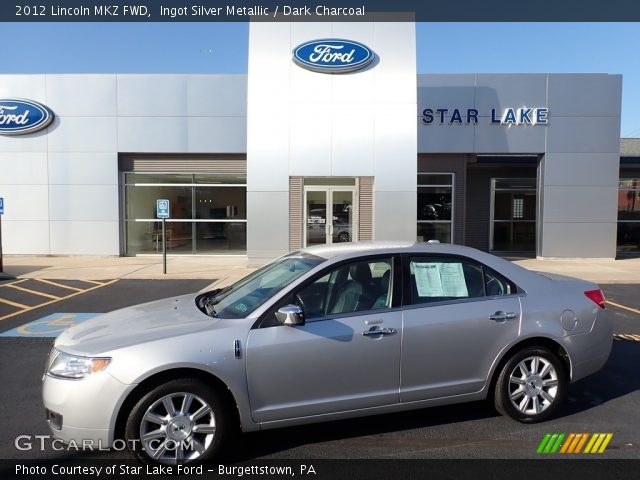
(227,269)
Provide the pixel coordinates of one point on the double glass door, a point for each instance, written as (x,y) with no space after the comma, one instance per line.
(513,215)
(329,215)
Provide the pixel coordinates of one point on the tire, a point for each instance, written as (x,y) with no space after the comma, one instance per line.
(172,439)
(531,385)
(343,237)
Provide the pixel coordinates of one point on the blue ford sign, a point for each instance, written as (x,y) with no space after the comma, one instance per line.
(19,116)
(332,55)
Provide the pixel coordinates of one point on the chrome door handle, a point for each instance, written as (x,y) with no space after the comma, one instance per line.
(500,315)
(376,331)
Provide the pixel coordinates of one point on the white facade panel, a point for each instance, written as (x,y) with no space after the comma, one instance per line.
(217,134)
(502,91)
(153,134)
(25,203)
(83,134)
(24,237)
(584,135)
(20,168)
(83,168)
(599,244)
(268,228)
(587,204)
(268,136)
(582,169)
(397,122)
(445,138)
(84,238)
(394,216)
(310,141)
(152,95)
(82,95)
(217,96)
(567,95)
(33,87)
(32,142)
(352,141)
(85,203)
(496,139)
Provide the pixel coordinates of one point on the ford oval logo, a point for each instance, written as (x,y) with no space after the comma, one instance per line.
(19,116)
(332,55)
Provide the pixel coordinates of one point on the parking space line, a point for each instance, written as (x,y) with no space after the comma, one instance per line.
(26,308)
(93,281)
(634,310)
(34,292)
(14,283)
(14,304)
(61,285)
(626,336)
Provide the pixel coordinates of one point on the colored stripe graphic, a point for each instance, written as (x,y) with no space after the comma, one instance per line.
(574,443)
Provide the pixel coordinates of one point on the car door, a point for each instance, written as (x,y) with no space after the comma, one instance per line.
(458,316)
(347,354)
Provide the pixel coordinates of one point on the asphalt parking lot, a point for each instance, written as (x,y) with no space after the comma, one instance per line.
(605,402)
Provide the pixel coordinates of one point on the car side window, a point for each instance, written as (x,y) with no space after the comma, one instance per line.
(496,284)
(437,279)
(351,287)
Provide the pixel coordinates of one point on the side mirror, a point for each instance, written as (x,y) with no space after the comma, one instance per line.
(291,315)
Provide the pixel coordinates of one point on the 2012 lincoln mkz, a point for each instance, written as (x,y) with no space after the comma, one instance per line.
(325,333)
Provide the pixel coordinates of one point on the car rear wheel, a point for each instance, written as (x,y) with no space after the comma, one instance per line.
(178,422)
(531,385)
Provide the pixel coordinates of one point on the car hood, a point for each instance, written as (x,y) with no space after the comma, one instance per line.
(138,324)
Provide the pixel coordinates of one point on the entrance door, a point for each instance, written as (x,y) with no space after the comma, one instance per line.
(329,215)
(513,214)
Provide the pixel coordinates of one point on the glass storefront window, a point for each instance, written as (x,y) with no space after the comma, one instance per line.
(435,206)
(207,216)
(628,239)
(514,214)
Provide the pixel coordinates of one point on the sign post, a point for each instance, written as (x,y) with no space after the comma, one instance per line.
(1,213)
(162,211)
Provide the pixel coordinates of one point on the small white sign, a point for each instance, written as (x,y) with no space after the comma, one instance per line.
(440,279)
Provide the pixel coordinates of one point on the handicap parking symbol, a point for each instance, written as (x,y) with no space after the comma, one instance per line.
(49,326)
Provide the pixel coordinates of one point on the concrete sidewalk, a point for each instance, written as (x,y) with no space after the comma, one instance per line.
(225,270)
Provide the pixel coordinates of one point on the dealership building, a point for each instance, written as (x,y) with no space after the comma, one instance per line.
(296,154)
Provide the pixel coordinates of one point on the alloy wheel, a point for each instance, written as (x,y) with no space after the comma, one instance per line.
(533,385)
(177,428)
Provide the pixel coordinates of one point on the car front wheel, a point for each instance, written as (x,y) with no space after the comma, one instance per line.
(178,422)
(531,385)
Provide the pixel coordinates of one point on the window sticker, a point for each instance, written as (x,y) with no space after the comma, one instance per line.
(440,279)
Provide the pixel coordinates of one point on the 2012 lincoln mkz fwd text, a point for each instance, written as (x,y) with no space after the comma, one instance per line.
(325,333)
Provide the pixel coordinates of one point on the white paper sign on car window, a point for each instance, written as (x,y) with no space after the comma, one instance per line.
(439,279)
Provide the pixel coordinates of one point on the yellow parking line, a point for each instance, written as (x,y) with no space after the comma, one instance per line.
(28,309)
(13,304)
(14,283)
(61,285)
(34,292)
(92,281)
(627,336)
(634,310)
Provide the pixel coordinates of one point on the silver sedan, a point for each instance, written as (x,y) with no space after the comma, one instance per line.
(325,333)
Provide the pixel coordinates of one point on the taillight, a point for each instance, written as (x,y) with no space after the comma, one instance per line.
(596,296)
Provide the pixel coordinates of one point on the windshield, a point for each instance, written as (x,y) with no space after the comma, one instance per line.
(243,297)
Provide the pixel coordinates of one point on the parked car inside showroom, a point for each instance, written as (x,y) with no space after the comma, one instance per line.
(328,332)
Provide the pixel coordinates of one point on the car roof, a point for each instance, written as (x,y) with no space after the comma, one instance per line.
(373,247)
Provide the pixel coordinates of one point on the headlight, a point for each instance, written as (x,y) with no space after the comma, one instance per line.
(63,365)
